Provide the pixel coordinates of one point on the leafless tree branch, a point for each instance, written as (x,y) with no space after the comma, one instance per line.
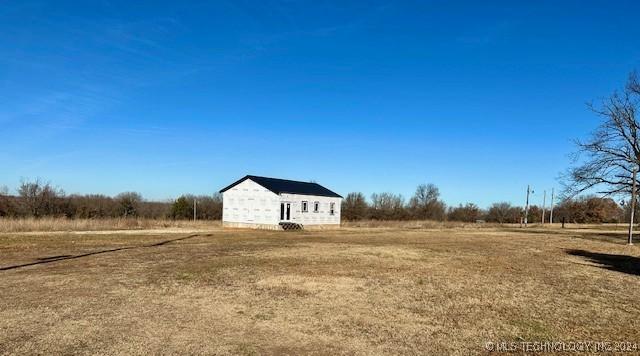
(605,161)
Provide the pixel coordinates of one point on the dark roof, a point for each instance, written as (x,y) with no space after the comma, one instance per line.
(287,186)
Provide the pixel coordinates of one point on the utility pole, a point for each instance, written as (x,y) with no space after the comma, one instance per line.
(551,211)
(194,209)
(526,207)
(633,205)
(544,203)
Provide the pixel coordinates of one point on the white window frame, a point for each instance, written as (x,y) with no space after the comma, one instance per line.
(316,206)
(332,208)
(304,206)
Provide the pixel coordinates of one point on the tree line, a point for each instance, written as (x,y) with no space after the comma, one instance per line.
(38,199)
(426,204)
(41,199)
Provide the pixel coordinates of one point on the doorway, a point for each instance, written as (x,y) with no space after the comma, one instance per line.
(285,211)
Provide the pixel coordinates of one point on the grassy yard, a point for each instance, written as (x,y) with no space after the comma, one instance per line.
(354,291)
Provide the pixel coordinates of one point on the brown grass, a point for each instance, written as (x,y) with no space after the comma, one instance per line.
(63,224)
(8,225)
(352,291)
(418,224)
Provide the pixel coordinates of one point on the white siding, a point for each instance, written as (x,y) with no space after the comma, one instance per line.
(249,202)
(322,217)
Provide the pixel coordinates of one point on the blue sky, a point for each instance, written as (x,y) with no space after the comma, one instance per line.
(479,98)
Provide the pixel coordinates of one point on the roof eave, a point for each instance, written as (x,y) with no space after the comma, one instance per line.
(249,176)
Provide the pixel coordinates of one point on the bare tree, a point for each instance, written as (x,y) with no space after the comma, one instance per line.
(466,213)
(387,206)
(39,198)
(5,208)
(425,203)
(129,203)
(92,206)
(606,160)
(209,207)
(354,207)
(503,212)
(590,209)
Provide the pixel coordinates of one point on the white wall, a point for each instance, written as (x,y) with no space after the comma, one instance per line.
(249,202)
(322,217)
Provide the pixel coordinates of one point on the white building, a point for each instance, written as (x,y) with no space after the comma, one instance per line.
(270,203)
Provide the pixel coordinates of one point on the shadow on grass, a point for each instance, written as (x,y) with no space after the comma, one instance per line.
(619,263)
(618,237)
(50,259)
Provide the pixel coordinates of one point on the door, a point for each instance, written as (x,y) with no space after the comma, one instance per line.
(285,211)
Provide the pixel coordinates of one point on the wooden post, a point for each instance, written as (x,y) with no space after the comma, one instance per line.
(633,205)
(551,209)
(194,209)
(544,203)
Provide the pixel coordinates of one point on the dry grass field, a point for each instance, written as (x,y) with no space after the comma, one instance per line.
(358,290)
(49,224)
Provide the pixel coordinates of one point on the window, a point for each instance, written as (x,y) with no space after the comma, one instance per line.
(332,207)
(316,207)
(305,206)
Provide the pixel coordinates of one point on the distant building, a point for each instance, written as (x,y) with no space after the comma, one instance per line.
(270,203)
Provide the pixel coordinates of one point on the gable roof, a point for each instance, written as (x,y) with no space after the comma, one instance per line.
(287,186)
